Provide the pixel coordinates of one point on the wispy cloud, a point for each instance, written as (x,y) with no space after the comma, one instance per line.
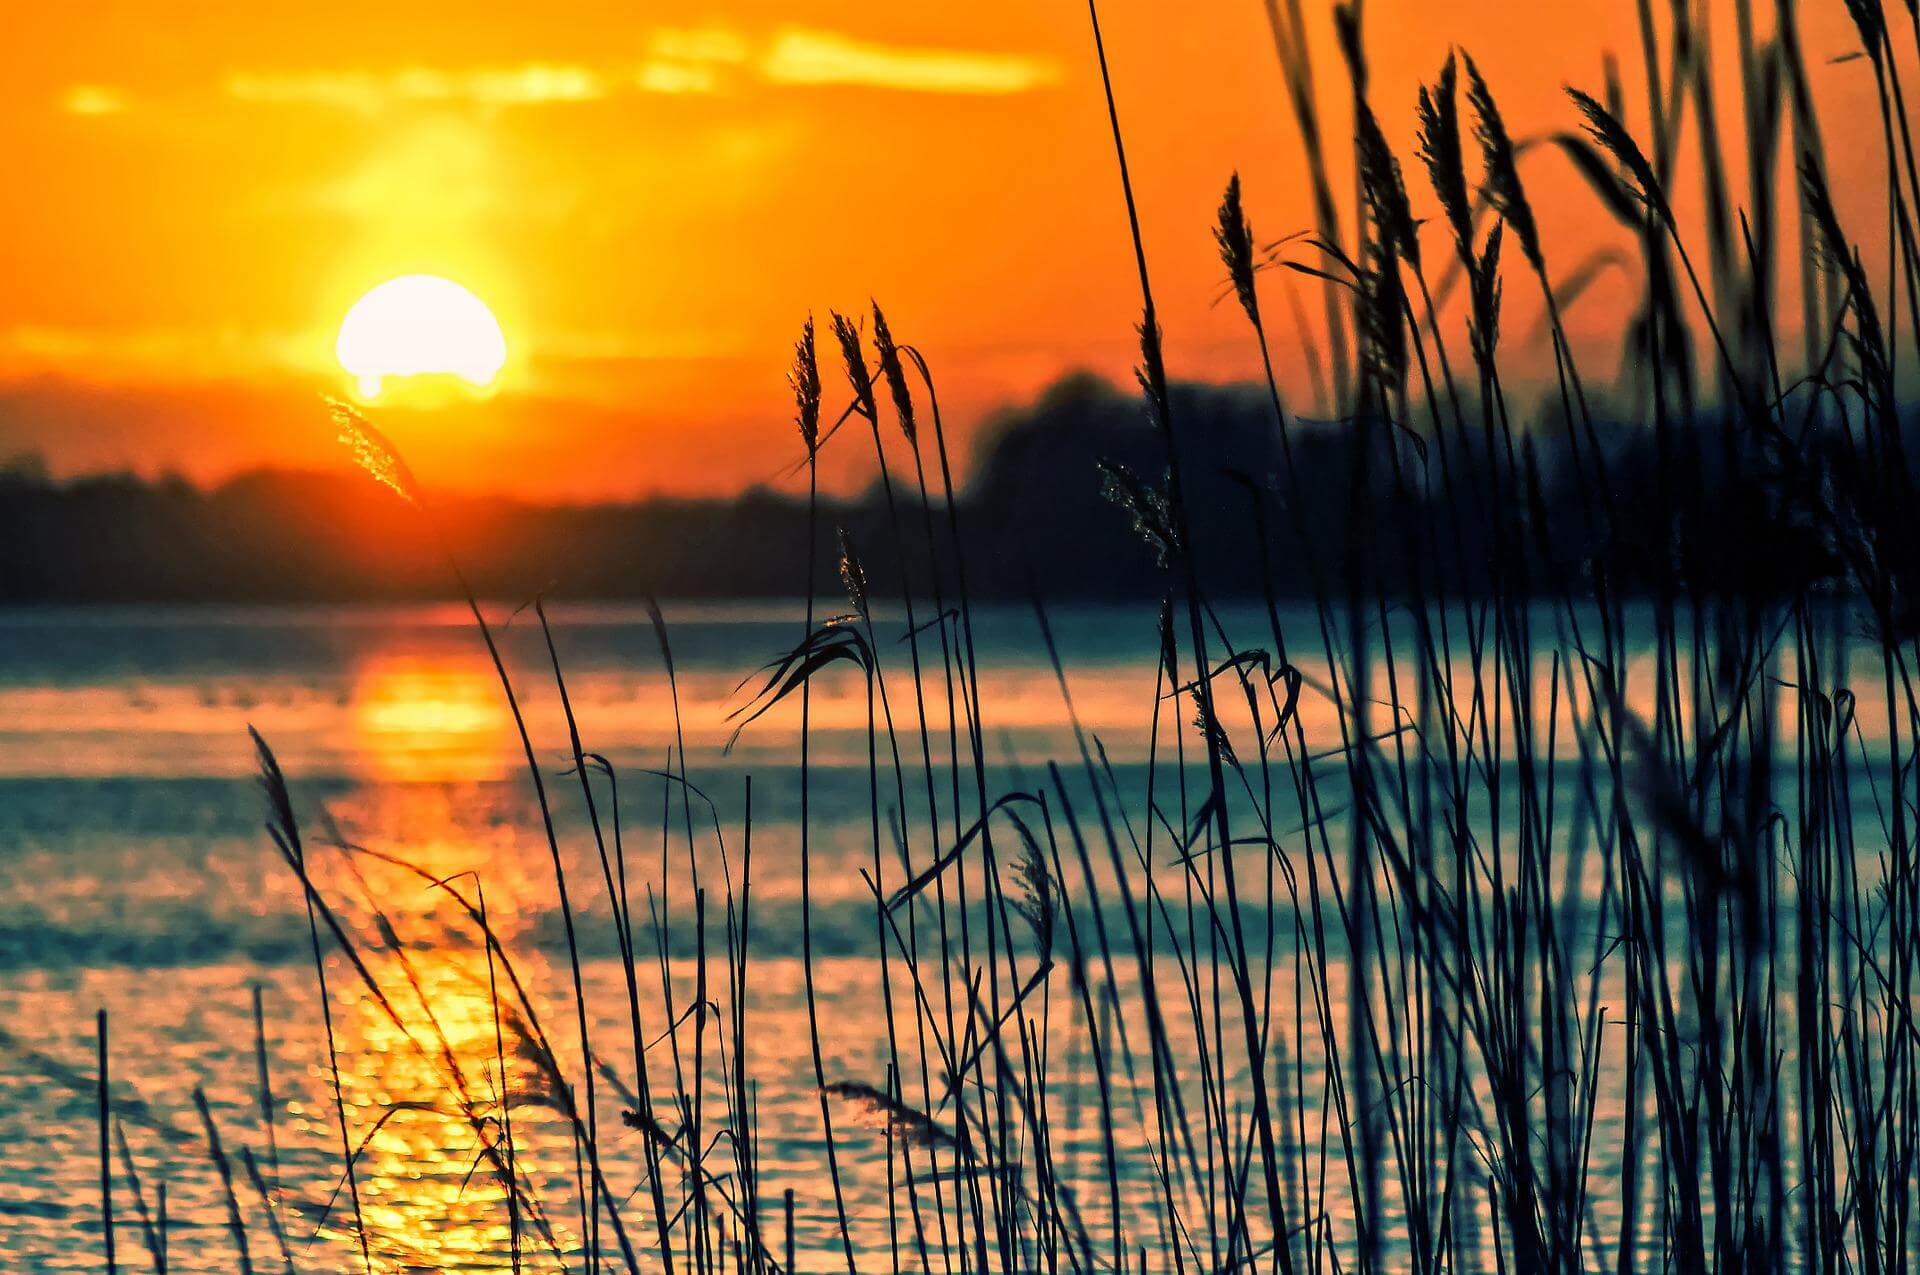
(705,45)
(667,75)
(824,57)
(370,92)
(148,352)
(700,60)
(93,99)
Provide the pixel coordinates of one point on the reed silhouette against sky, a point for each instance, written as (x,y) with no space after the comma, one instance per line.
(1480,836)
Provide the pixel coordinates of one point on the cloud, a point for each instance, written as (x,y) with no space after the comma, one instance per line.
(699,60)
(663,75)
(825,57)
(93,99)
(370,92)
(116,354)
(702,44)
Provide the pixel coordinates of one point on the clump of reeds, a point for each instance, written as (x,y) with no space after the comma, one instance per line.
(1514,901)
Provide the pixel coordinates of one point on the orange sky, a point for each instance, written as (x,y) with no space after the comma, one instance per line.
(651,198)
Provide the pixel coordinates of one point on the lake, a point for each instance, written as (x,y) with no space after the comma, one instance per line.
(137,875)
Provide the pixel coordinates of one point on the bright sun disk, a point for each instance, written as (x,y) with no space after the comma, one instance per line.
(420,325)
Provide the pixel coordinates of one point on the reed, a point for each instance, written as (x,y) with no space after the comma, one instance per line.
(104,1112)
(1539,893)
(216,1152)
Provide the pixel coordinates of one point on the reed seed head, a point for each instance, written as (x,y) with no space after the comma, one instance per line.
(1483,329)
(1234,234)
(1612,137)
(1038,904)
(1147,507)
(1213,733)
(895,374)
(847,332)
(1442,155)
(1383,336)
(853,575)
(1503,188)
(1385,189)
(805,380)
(373,453)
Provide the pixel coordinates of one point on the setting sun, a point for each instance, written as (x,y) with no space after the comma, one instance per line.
(420,325)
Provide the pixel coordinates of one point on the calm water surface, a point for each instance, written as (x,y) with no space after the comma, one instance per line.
(136,876)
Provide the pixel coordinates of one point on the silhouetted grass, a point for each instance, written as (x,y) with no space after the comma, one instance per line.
(1590,941)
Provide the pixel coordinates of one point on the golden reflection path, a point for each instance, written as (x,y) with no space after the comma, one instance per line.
(442,1075)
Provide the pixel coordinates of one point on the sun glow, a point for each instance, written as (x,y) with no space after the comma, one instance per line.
(420,325)
(418,719)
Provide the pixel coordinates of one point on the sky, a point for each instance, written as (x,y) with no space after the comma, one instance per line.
(652,198)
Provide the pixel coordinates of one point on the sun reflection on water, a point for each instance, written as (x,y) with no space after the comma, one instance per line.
(418,719)
(442,1070)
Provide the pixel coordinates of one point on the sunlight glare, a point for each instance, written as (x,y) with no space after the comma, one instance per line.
(424,719)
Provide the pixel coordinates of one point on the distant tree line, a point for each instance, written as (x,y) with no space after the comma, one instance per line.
(1061,499)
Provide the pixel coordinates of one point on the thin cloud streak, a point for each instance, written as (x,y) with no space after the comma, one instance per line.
(93,99)
(824,57)
(680,61)
(369,92)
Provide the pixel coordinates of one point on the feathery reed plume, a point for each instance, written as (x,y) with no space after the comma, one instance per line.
(1503,188)
(1612,137)
(915,1128)
(644,1122)
(1383,345)
(1234,234)
(1146,505)
(1384,188)
(805,382)
(1383,332)
(1209,728)
(847,333)
(373,453)
(1483,329)
(1443,156)
(1039,903)
(895,373)
(853,576)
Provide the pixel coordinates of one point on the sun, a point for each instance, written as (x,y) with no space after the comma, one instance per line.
(420,325)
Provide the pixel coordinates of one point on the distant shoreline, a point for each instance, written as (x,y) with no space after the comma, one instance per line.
(1055,504)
